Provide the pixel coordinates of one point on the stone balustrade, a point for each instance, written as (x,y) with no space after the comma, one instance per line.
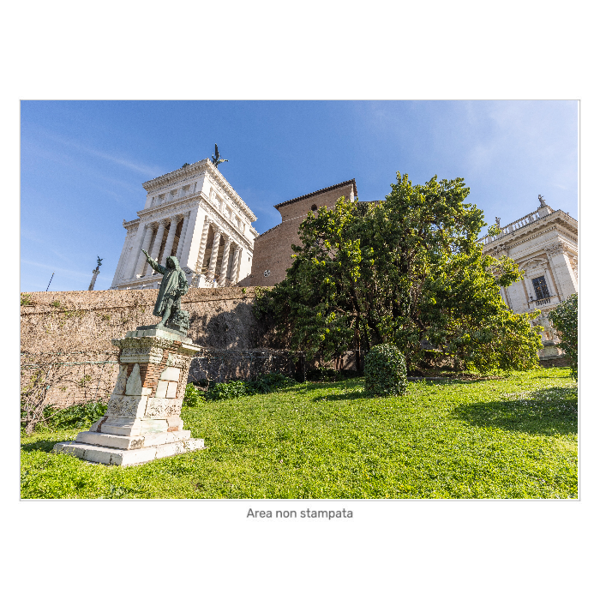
(545,302)
(522,222)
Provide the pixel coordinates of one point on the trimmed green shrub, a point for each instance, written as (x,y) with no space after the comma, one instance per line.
(385,371)
(564,320)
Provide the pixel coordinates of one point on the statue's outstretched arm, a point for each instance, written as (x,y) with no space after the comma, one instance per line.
(154,264)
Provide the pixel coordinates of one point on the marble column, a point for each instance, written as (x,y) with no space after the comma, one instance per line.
(158,240)
(563,273)
(170,237)
(234,266)
(224,262)
(203,242)
(214,255)
(239,264)
(186,220)
(141,261)
(192,239)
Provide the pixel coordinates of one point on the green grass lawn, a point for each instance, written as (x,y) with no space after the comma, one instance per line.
(514,437)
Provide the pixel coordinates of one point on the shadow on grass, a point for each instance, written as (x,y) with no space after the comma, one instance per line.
(355,394)
(43,445)
(447,381)
(552,411)
(352,395)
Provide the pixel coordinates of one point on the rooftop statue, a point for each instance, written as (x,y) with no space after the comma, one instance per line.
(168,304)
(542,201)
(216,159)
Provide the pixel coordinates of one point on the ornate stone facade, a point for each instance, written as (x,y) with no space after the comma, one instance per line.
(194,214)
(544,245)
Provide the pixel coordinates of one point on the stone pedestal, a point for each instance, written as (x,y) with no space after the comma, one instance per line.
(142,422)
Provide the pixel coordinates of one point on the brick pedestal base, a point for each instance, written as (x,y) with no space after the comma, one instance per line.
(142,422)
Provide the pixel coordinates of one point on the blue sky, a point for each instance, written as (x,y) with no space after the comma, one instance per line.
(83,162)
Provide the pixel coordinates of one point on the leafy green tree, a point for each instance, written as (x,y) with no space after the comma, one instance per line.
(564,320)
(407,271)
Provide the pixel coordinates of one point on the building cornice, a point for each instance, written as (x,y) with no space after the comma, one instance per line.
(175,207)
(507,245)
(172,177)
(555,221)
(129,224)
(194,170)
(327,189)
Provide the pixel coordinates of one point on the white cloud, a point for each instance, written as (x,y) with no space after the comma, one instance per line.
(147,170)
(55,269)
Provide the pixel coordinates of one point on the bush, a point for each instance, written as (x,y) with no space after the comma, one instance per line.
(385,371)
(564,320)
(193,395)
(225,391)
(263,384)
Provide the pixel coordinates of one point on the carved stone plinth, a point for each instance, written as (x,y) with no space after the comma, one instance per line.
(142,422)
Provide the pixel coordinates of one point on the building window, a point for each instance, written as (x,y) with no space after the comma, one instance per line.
(313,207)
(540,287)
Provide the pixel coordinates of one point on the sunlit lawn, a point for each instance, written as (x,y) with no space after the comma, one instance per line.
(514,437)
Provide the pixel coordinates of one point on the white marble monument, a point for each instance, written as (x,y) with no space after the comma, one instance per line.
(192,213)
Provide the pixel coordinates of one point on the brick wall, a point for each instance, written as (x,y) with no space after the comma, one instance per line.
(273,249)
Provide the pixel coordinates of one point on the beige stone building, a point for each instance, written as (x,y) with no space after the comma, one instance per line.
(192,213)
(544,245)
(273,248)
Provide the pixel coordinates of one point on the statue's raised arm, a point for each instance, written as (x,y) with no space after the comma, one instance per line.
(154,264)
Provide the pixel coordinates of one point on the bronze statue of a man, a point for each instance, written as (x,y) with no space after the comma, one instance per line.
(173,285)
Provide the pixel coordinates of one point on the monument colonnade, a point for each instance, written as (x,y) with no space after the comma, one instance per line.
(191,241)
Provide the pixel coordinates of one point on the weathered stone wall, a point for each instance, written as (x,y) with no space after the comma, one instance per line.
(87,321)
(73,330)
(226,365)
(561,361)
